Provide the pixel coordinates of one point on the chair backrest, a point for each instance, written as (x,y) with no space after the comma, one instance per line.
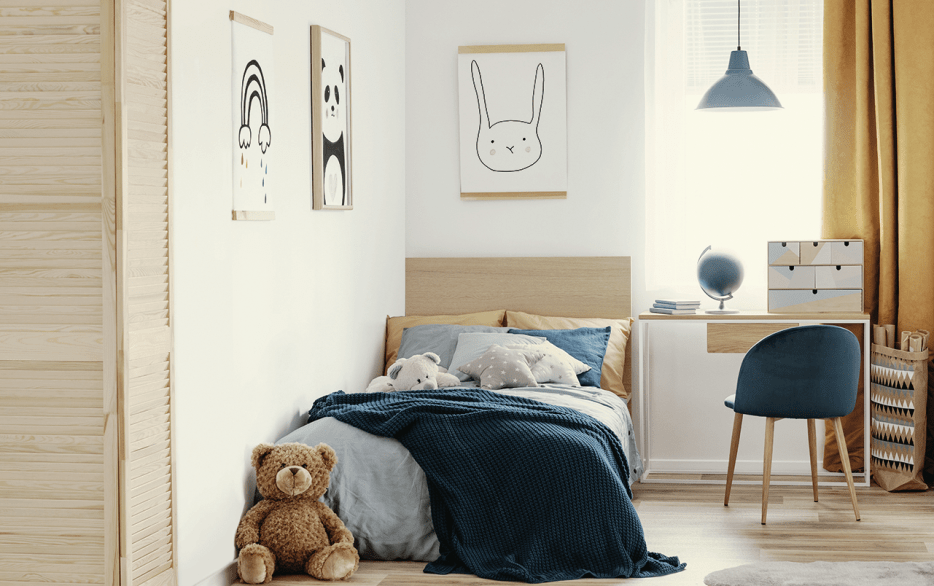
(806,372)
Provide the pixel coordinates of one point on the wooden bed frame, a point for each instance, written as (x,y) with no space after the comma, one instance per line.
(587,286)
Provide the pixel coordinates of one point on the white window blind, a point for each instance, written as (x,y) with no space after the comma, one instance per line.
(730,180)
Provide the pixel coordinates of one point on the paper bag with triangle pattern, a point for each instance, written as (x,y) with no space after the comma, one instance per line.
(898,403)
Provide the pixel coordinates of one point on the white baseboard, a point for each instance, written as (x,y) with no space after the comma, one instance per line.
(223,577)
(779,467)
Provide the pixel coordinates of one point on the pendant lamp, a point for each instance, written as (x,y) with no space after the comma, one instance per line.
(739,90)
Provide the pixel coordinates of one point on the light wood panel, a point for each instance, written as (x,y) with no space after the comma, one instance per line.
(147,514)
(251,22)
(84,117)
(739,338)
(56,432)
(479,195)
(557,286)
(589,286)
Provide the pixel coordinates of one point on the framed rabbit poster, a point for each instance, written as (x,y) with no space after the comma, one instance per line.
(331,177)
(513,121)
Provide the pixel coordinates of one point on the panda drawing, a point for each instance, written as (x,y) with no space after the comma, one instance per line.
(334,99)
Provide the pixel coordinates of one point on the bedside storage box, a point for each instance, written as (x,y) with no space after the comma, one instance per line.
(815,276)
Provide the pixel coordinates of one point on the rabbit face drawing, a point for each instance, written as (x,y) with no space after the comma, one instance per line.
(509,145)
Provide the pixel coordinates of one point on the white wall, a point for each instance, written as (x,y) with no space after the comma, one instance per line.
(271,315)
(604,213)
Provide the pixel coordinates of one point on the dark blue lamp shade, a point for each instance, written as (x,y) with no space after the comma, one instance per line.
(739,90)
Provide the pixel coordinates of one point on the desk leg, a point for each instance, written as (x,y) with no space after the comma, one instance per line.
(867,405)
(642,395)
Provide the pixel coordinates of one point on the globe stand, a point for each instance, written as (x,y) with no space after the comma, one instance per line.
(720,274)
(721,310)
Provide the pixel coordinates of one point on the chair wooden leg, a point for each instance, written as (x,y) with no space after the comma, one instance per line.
(734,447)
(767,464)
(812,445)
(845,459)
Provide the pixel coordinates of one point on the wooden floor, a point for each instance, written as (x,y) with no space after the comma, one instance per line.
(691,522)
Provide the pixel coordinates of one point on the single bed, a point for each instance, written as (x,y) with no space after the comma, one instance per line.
(378,489)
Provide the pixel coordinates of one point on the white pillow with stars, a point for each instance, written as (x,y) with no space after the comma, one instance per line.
(555,365)
(500,367)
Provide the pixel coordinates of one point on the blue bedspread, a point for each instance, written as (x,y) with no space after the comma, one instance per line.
(519,489)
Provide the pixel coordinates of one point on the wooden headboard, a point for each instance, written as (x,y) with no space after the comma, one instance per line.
(587,286)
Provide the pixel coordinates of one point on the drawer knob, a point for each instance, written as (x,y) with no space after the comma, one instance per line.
(784,244)
(814,291)
(838,267)
(815,244)
(846,244)
(791,268)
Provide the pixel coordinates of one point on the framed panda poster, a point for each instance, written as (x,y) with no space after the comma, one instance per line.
(331,167)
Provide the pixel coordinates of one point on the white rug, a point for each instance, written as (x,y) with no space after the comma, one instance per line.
(825,574)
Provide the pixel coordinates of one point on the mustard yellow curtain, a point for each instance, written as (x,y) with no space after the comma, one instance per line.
(879,162)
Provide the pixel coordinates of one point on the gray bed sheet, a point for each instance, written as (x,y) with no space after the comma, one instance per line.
(380,492)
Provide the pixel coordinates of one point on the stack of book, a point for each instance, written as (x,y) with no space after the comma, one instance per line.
(675,306)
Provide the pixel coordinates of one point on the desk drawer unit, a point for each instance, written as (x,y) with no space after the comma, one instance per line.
(838,277)
(815,253)
(784,254)
(846,252)
(793,277)
(815,276)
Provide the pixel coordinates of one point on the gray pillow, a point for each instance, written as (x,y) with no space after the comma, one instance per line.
(500,367)
(438,338)
(378,491)
(471,346)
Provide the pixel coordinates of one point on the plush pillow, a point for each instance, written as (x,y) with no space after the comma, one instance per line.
(586,344)
(578,366)
(396,325)
(438,338)
(471,346)
(501,367)
(555,365)
(614,362)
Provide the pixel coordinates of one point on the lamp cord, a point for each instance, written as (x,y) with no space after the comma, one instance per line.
(738,48)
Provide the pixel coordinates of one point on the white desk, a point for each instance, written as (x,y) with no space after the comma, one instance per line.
(736,333)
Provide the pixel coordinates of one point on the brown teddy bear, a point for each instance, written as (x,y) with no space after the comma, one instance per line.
(291,530)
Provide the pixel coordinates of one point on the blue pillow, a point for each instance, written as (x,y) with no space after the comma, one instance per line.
(586,344)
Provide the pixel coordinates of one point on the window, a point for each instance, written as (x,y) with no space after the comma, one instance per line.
(730,180)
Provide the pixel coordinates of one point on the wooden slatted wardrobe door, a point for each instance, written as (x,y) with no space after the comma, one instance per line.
(58,500)
(147,520)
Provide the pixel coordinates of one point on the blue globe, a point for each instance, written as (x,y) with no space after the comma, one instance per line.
(719,273)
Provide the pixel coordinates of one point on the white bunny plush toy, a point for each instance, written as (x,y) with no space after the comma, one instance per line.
(417,373)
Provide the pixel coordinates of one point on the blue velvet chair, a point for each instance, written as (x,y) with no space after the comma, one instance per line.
(806,372)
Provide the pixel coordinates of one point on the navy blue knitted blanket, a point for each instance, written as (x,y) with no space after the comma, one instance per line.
(519,490)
